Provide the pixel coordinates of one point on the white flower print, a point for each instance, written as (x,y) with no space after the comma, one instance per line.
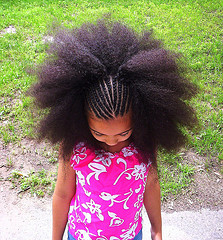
(81,178)
(79,155)
(138,214)
(108,197)
(130,233)
(105,158)
(79,145)
(97,170)
(120,160)
(83,234)
(94,208)
(87,217)
(139,171)
(74,208)
(140,199)
(104,238)
(137,190)
(87,192)
(129,151)
(71,222)
(115,221)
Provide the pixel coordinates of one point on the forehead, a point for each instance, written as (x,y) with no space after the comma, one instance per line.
(112,126)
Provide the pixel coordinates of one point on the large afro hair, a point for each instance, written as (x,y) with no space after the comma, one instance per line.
(78,58)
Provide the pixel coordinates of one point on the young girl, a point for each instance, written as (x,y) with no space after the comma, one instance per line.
(113,97)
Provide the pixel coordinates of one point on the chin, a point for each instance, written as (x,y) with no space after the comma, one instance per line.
(112,144)
(120,142)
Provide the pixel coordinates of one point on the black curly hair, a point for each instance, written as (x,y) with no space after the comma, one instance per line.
(108,68)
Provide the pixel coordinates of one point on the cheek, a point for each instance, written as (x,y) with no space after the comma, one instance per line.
(122,138)
(125,137)
(101,139)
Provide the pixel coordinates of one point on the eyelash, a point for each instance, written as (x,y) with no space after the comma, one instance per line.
(122,135)
(98,134)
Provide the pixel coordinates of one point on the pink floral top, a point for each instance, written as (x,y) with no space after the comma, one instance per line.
(109,194)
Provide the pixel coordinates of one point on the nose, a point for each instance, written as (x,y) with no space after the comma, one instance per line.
(111,141)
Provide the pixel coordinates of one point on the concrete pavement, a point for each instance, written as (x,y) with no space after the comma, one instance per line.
(30,219)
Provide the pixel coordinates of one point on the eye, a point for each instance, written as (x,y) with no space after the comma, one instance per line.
(97,134)
(124,134)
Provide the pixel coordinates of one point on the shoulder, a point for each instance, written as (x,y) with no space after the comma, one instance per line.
(80,147)
(81,152)
(136,152)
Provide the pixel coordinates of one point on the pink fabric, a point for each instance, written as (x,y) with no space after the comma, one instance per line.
(109,194)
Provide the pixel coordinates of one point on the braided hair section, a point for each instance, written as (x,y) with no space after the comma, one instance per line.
(108,98)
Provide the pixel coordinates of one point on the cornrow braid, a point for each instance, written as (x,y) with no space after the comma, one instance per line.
(125,91)
(108,98)
(105,90)
(96,104)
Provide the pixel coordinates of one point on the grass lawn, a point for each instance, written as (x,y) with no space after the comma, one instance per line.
(193,28)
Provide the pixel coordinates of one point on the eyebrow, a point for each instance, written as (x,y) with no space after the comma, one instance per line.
(115,134)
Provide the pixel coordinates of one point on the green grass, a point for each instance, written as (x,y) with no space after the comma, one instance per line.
(39,183)
(174,174)
(193,28)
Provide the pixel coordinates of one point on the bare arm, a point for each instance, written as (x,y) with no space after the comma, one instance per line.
(63,193)
(152,203)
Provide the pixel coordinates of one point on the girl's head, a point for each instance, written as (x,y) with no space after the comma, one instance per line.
(108,111)
(107,73)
